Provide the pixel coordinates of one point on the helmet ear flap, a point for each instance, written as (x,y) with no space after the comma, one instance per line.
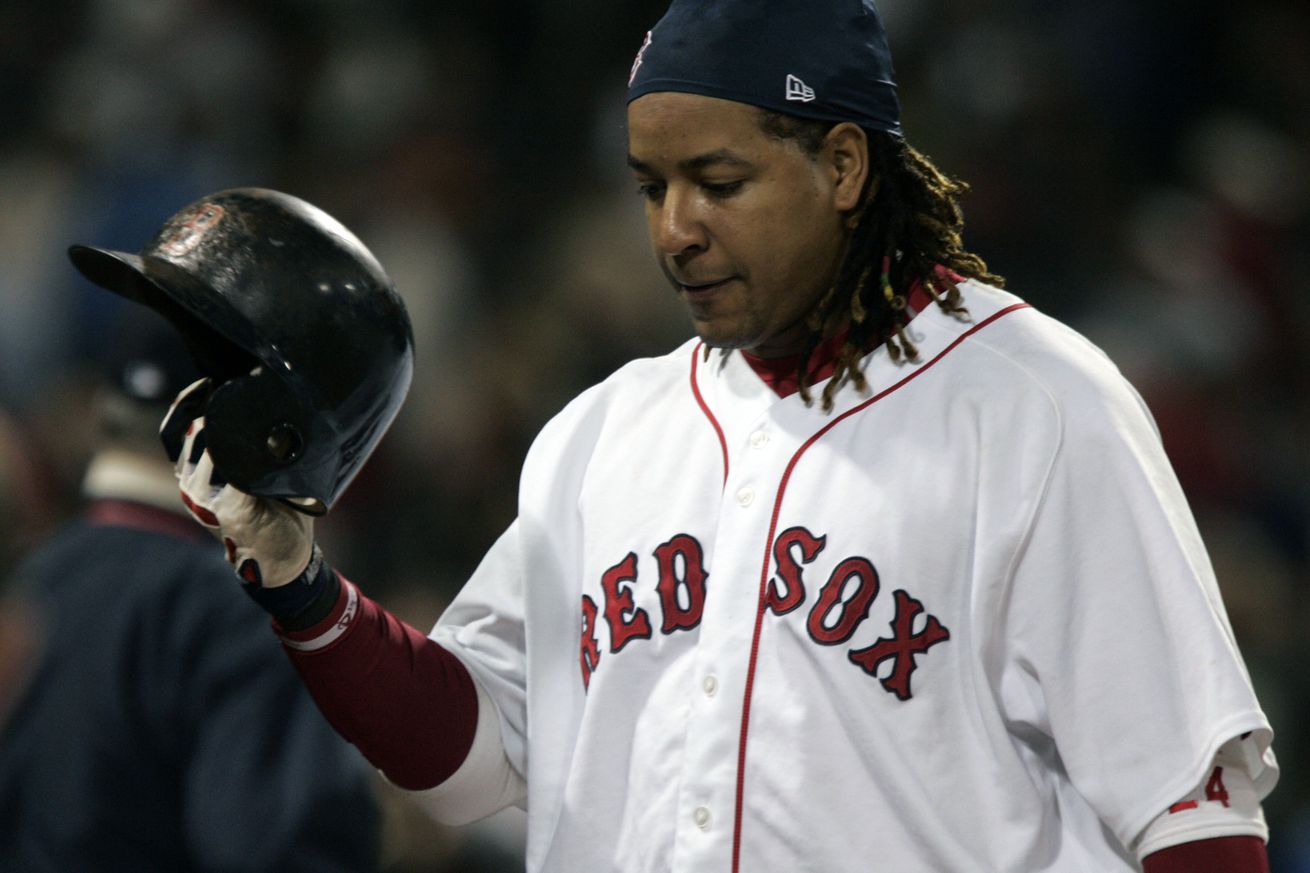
(258,431)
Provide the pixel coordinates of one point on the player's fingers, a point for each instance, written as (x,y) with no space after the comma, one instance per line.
(185,409)
(190,448)
(200,513)
(195,475)
(197,492)
(202,474)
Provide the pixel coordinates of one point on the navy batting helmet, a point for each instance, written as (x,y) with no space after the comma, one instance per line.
(307,344)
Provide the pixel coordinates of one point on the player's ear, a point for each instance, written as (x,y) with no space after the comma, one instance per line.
(846,148)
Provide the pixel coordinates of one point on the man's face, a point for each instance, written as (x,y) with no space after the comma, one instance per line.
(747,227)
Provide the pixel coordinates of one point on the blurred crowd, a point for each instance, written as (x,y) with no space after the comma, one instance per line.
(1140,173)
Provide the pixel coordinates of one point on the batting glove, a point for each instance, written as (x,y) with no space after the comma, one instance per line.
(268,543)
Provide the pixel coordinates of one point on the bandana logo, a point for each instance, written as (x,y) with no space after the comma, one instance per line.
(797,90)
(641,53)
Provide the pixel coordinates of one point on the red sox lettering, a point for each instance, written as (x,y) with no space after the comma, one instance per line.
(681,563)
(832,620)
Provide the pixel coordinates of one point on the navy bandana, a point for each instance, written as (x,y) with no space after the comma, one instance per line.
(820,59)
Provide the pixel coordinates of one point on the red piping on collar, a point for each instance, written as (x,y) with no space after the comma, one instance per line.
(704,407)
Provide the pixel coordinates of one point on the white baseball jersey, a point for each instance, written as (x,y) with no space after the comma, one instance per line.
(964,622)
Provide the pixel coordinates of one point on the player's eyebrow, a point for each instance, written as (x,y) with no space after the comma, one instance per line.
(699,162)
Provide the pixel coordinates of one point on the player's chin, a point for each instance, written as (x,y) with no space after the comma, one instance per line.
(720,329)
(717,335)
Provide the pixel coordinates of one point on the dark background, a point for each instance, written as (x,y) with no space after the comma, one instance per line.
(1139,169)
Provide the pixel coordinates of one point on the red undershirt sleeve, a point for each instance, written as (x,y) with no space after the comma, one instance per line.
(1239,854)
(406,703)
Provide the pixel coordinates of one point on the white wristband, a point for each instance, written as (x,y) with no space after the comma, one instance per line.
(330,629)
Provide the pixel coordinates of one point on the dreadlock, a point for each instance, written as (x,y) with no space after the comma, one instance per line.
(909,223)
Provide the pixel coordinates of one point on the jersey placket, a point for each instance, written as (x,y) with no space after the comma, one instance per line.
(756,452)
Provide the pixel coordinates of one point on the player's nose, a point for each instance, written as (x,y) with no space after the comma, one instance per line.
(677,225)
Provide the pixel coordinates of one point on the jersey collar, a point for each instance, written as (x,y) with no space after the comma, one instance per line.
(780,374)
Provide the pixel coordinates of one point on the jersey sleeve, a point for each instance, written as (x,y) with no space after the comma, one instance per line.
(485,782)
(1118,648)
(1225,804)
(532,570)
(484,628)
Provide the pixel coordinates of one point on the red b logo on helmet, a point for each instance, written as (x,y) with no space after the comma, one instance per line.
(193,229)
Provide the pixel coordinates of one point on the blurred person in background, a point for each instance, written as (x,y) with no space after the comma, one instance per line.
(150,724)
(20,502)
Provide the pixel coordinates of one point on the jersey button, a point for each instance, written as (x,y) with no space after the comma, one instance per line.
(759,438)
(701,817)
(746,496)
(709,685)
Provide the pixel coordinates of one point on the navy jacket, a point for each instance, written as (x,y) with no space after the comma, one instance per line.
(163,728)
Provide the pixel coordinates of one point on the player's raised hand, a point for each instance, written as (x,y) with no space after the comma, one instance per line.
(267,542)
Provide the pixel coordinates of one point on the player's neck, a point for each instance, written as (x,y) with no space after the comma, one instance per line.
(781,373)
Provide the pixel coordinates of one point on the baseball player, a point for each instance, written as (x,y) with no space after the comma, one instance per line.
(156,730)
(884,568)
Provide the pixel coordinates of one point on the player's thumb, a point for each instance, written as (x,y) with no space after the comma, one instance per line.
(267,543)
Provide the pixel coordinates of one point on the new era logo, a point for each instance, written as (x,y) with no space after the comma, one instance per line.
(798,90)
